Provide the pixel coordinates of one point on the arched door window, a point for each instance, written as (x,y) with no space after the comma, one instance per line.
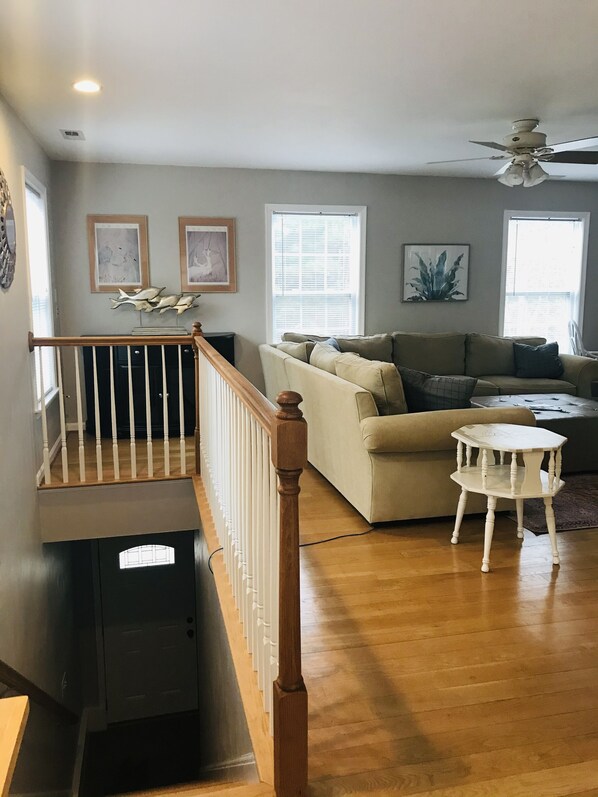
(146,556)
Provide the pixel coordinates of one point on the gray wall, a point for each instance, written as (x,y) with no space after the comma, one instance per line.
(400,210)
(36,627)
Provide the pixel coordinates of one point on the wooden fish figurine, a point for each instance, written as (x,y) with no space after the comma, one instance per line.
(164,303)
(185,303)
(138,304)
(142,293)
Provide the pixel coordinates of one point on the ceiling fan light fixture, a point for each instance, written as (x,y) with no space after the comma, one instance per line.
(534,176)
(514,175)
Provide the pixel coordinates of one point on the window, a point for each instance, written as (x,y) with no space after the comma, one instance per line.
(40,282)
(146,556)
(316,275)
(543,273)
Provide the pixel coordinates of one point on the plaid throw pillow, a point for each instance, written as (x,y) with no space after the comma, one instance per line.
(428,392)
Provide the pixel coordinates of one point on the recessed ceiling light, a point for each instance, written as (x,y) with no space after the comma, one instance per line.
(87,86)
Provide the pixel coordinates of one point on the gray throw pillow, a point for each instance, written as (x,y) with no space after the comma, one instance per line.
(538,362)
(426,392)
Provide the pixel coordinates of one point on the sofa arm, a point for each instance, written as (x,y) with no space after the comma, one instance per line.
(581,372)
(431,431)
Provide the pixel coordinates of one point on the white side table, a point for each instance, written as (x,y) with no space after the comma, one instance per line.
(507,478)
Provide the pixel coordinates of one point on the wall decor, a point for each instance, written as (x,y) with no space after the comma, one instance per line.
(118,253)
(435,272)
(207,254)
(8,236)
(148,299)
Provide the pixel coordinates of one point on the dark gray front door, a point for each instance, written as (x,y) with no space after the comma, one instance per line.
(148,608)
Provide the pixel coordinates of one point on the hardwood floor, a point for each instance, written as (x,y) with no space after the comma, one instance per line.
(428,677)
(124,458)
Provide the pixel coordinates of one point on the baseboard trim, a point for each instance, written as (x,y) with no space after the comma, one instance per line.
(80,753)
(52,453)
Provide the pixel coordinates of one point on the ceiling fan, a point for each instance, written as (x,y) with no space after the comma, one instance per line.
(526,148)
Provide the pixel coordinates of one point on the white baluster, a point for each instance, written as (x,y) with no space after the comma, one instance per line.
(131,417)
(96,402)
(468,455)
(484,467)
(79,417)
(182,415)
(559,462)
(42,401)
(115,457)
(502,457)
(459,455)
(62,413)
(551,467)
(148,419)
(165,416)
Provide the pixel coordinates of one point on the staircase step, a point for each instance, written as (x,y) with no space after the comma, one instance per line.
(205,789)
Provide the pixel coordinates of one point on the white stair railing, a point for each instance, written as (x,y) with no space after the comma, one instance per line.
(251,456)
(114,397)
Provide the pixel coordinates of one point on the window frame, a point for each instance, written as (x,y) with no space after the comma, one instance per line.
(30,181)
(545,215)
(360,211)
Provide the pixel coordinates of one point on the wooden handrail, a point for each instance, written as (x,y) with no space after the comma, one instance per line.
(13,717)
(24,686)
(111,340)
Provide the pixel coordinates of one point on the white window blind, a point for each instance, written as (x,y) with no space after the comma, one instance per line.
(40,284)
(317,272)
(543,276)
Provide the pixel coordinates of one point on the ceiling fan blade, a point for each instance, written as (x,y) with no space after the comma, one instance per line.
(579,143)
(462,160)
(575,157)
(491,144)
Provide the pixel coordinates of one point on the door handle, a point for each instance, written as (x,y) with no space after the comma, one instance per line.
(160,395)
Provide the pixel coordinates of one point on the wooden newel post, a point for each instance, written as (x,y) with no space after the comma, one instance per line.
(289,456)
(196,331)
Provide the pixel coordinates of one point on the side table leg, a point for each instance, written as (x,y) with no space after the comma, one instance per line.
(459,516)
(519,506)
(488,532)
(551,524)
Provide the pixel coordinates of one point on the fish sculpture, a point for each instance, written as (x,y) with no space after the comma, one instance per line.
(185,303)
(142,293)
(138,304)
(164,303)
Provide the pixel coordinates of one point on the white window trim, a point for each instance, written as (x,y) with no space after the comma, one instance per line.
(347,210)
(29,179)
(544,214)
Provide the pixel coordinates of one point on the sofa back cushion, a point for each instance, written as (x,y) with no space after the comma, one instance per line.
(372,347)
(434,352)
(490,354)
(299,337)
(324,356)
(379,378)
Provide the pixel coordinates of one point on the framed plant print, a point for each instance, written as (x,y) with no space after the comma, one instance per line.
(118,253)
(435,272)
(207,254)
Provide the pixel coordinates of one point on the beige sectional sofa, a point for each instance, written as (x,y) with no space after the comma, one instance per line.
(397,467)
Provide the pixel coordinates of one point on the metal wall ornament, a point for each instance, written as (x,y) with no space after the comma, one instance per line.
(8,236)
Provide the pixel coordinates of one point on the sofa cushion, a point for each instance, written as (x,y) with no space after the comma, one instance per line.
(379,378)
(490,354)
(301,351)
(324,356)
(434,352)
(299,337)
(532,362)
(484,388)
(432,392)
(515,384)
(372,347)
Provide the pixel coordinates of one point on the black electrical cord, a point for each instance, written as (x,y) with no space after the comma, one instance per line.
(338,537)
(210,559)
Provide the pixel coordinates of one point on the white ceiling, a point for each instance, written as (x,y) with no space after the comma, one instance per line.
(341,85)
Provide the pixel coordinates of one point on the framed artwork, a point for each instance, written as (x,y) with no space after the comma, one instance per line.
(435,272)
(118,253)
(207,254)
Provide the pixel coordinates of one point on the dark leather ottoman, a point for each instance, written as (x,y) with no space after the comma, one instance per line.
(575,418)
